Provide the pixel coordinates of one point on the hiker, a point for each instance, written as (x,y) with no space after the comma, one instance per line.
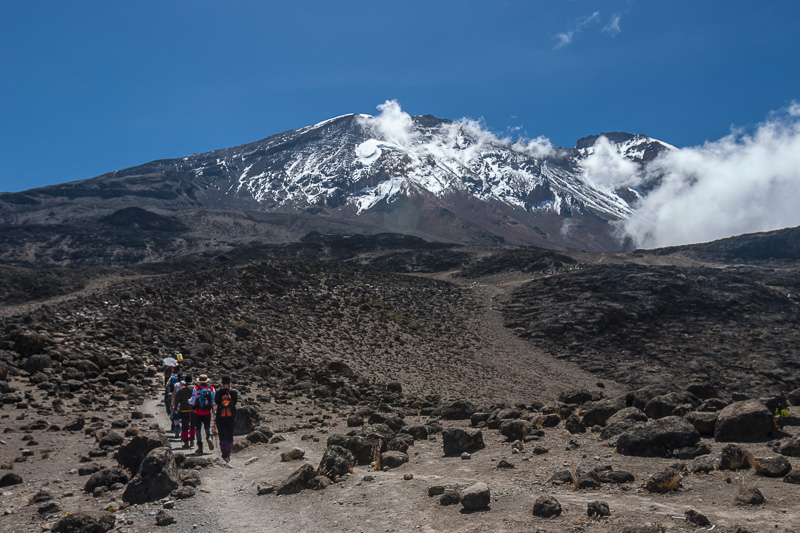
(169,388)
(225,400)
(184,409)
(167,374)
(203,401)
(176,416)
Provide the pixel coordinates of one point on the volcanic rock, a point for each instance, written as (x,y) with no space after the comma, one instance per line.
(658,438)
(456,441)
(744,421)
(157,477)
(476,497)
(546,507)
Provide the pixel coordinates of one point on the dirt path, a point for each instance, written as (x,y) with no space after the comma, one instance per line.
(519,367)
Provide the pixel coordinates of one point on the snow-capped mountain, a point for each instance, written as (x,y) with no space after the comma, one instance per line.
(420,175)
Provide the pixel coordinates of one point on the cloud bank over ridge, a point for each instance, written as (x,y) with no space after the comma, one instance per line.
(742,183)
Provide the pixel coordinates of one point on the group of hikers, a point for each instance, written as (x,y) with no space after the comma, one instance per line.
(191,408)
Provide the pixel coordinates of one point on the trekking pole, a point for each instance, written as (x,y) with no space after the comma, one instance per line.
(214,433)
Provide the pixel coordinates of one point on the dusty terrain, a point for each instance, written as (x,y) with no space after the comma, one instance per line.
(310,344)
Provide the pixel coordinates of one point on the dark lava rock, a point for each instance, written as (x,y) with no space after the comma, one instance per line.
(615,476)
(450,497)
(336,461)
(665,404)
(793,397)
(599,412)
(750,496)
(703,422)
(476,497)
(773,466)
(157,477)
(185,492)
(76,424)
(574,424)
(106,478)
(735,457)
(546,507)
(457,410)
(319,483)
(665,481)
(792,477)
(456,441)
(597,510)
(393,459)
(10,479)
(247,418)
(743,421)
(697,518)
(111,439)
(658,438)
(575,396)
(163,518)
(297,481)
(516,429)
(789,447)
(131,454)
(81,522)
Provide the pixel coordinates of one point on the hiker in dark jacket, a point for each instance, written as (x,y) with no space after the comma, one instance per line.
(225,400)
(203,403)
(181,405)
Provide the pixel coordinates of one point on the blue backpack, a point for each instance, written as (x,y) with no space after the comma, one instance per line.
(206,399)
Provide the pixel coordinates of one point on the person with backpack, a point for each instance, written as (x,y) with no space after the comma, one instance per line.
(225,400)
(203,401)
(181,406)
(173,383)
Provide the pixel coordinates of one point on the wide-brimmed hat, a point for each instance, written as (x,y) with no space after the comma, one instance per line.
(203,379)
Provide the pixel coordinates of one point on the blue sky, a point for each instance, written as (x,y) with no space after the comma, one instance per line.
(92,87)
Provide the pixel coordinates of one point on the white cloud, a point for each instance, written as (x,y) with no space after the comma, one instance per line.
(612,28)
(742,183)
(566,37)
(462,140)
(394,124)
(607,169)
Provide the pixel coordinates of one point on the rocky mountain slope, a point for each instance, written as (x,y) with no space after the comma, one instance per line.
(422,176)
(613,378)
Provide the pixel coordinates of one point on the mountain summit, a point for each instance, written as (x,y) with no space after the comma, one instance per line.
(420,175)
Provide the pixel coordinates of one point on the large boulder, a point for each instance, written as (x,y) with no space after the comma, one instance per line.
(598,413)
(105,478)
(516,429)
(247,419)
(658,438)
(297,481)
(457,441)
(81,522)
(157,477)
(743,421)
(793,397)
(457,410)
(10,479)
(703,422)
(36,363)
(665,404)
(131,454)
(546,507)
(393,459)
(476,497)
(336,461)
(575,396)
(789,446)
(622,421)
(366,449)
